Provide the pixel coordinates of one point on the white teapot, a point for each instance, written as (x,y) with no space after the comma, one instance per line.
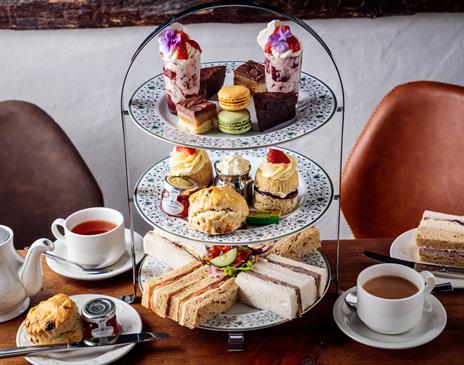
(20,278)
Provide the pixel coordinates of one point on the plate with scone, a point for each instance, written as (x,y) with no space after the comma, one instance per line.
(58,320)
(286,182)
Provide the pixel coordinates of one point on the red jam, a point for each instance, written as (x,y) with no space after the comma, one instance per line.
(175,195)
(99,318)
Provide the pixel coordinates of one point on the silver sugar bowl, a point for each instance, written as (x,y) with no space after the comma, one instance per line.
(242,183)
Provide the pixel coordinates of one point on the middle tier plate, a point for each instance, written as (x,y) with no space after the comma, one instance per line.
(315,194)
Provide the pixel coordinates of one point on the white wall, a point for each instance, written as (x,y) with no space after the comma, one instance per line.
(76,75)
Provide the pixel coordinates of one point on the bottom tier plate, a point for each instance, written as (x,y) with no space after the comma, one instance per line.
(240,317)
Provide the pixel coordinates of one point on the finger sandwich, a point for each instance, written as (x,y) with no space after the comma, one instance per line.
(283,286)
(190,295)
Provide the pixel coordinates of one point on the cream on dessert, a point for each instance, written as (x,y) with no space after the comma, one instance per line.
(181,64)
(233,164)
(191,162)
(276,183)
(282,57)
(279,170)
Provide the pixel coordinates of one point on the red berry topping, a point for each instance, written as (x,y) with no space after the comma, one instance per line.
(182,53)
(276,156)
(183,37)
(194,44)
(267,48)
(183,149)
(293,44)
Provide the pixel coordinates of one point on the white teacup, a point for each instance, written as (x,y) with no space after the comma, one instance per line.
(392,316)
(96,250)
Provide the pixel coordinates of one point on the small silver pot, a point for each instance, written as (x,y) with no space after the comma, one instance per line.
(242,183)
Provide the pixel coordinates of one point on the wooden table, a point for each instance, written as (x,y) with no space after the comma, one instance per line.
(312,339)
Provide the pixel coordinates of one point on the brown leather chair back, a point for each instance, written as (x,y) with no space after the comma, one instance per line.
(408,158)
(42,177)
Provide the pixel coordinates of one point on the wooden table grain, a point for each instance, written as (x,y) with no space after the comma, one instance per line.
(312,339)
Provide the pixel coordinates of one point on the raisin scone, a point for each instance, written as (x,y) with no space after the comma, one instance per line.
(217,210)
(56,320)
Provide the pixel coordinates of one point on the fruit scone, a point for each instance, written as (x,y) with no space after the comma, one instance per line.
(54,321)
(276,183)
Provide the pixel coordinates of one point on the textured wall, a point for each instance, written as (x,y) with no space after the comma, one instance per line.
(76,76)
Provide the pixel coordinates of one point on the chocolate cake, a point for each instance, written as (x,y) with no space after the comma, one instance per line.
(251,75)
(197,115)
(274,108)
(211,80)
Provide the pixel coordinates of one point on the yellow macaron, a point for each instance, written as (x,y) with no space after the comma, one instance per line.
(234,97)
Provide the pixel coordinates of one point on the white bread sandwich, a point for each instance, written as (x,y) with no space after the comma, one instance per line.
(196,249)
(440,238)
(280,285)
(165,250)
(190,295)
(298,244)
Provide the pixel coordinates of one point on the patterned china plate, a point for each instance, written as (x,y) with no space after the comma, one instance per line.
(240,317)
(147,108)
(314,198)
(128,319)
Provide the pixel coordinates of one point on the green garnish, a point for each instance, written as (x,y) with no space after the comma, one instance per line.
(233,271)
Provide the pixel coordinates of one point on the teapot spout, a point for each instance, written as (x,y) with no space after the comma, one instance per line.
(30,273)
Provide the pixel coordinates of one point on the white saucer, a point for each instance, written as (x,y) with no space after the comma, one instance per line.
(431,325)
(128,319)
(124,264)
(404,247)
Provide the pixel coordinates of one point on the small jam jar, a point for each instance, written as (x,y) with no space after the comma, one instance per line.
(175,195)
(99,316)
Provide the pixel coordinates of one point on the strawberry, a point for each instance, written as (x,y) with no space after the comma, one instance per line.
(293,44)
(183,37)
(194,44)
(188,150)
(267,48)
(182,53)
(276,156)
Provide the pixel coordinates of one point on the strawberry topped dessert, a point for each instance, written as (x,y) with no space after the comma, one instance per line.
(193,163)
(276,183)
(282,57)
(181,64)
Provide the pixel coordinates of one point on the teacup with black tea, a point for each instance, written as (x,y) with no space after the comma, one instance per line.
(92,227)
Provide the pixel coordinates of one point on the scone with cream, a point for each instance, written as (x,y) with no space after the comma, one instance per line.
(53,321)
(193,163)
(276,183)
(217,210)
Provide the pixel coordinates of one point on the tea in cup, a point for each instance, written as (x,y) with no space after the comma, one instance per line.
(390,297)
(93,237)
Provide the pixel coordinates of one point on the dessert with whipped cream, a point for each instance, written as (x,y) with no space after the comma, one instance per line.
(440,238)
(181,65)
(233,170)
(234,164)
(282,57)
(276,183)
(193,163)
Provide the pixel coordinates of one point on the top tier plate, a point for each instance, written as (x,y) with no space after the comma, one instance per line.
(148,109)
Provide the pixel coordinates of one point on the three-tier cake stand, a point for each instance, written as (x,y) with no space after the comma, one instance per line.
(145,107)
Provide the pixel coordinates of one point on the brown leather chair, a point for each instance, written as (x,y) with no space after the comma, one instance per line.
(42,174)
(408,158)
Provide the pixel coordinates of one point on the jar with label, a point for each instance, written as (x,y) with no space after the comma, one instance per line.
(99,316)
(175,195)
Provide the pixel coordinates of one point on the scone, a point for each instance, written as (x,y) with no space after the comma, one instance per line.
(276,183)
(56,320)
(193,163)
(217,210)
